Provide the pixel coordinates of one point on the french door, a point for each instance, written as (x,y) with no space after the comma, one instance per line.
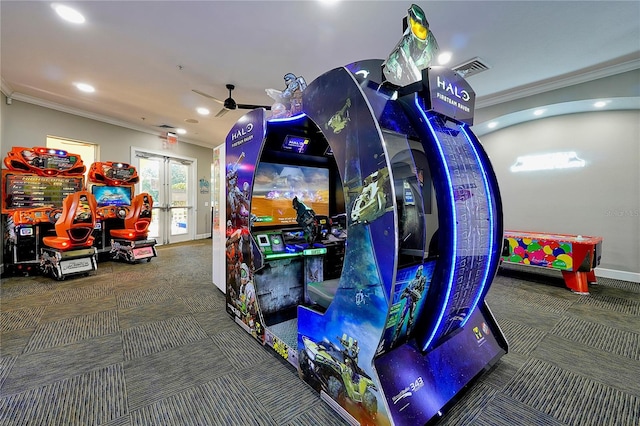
(170,181)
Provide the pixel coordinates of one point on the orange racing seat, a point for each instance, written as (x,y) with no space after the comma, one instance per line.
(75,224)
(137,220)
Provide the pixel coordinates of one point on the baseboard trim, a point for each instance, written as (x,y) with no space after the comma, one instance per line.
(634,277)
(203,236)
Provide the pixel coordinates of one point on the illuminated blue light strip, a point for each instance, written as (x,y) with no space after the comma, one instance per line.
(485,181)
(455,231)
(286,119)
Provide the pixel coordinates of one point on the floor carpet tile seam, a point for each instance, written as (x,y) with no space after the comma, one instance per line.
(167,411)
(556,392)
(611,303)
(6,364)
(221,386)
(134,298)
(514,330)
(610,339)
(71,330)
(204,304)
(238,350)
(280,404)
(81,294)
(618,284)
(8,293)
(538,301)
(19,319)
(126,279)
(168,391)
(60,402)
(161,335)
(505,411)
(72,378)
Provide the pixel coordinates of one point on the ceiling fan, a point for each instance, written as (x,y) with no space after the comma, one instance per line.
(229,104)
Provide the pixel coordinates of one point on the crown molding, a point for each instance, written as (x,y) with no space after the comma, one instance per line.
(558,83)
(97,117)
(5,88)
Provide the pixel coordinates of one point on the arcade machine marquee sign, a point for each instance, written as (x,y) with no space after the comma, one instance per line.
(449,94)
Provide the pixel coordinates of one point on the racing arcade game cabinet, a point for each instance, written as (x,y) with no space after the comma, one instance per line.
(42,231)
(406,328)
(123,219)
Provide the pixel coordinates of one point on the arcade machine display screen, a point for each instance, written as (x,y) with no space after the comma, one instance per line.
(112,195)
(276,185)
(22,191)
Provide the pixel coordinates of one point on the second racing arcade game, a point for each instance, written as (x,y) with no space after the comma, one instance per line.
(363,235)
(123,217)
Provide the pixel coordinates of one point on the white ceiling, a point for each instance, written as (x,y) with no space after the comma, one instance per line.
(145,57)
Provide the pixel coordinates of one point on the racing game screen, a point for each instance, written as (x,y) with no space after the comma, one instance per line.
(276,185)
(112,195)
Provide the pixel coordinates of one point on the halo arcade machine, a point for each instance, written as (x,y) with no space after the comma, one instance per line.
(401,328)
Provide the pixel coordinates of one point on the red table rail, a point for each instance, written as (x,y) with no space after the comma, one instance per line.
(575,256)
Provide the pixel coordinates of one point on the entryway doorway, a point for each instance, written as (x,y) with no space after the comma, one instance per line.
(170,181)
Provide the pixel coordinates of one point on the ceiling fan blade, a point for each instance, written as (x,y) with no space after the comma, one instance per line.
(206,95)
(222,112)
(249,106)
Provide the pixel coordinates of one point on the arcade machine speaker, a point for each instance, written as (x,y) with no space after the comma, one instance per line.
(132,243)
(70,252)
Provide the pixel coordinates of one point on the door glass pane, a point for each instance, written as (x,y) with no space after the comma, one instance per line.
(150,171)
(179,223)
(178,194)
(167,180)
(179,184)
(154,226)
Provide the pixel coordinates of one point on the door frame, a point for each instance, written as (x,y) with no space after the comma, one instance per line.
(191,193)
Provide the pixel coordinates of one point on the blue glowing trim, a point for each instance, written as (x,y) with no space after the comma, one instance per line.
(485,182)
(286,119)
(455,232)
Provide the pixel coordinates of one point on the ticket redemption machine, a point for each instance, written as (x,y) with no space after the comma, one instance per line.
(403,328)
(47,218)
(123,217)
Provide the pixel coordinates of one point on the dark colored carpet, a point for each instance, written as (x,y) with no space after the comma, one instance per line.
(151,344)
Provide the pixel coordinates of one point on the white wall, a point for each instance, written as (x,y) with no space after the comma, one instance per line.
(601,199)
(24,124)
(218,233)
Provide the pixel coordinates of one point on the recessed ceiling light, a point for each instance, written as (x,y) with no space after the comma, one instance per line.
(203,111)
(492,124)
(84,87)
(444,58)
(68,14)
(181,131)
(600,104)
(539,111)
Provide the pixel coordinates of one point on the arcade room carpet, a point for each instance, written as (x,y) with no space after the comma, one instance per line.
(151,344)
